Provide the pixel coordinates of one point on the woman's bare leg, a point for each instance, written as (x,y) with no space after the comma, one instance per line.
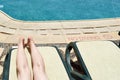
(37,62)
(23,70)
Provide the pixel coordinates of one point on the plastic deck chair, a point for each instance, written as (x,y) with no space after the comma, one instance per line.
(99,60)
(55,67)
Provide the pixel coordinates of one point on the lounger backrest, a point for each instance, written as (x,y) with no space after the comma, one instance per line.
(53,63)
(101,58)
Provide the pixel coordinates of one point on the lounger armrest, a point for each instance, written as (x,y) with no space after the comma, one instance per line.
(75,74)
(6,66)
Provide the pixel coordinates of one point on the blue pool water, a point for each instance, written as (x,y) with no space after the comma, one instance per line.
(40,10)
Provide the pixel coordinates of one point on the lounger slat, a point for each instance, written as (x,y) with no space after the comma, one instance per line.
(54,66)
(102,59)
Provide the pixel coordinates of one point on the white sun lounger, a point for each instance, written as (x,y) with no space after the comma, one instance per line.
(100,60)
(55,66)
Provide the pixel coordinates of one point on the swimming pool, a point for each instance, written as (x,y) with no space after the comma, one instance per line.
(41,10)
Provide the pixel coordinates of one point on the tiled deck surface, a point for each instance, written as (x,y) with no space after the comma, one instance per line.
(57,33)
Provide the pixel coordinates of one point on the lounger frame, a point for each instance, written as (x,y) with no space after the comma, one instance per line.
(78,76)
(8,59)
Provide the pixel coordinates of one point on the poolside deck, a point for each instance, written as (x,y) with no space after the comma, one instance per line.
(58,31)
(55,32)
